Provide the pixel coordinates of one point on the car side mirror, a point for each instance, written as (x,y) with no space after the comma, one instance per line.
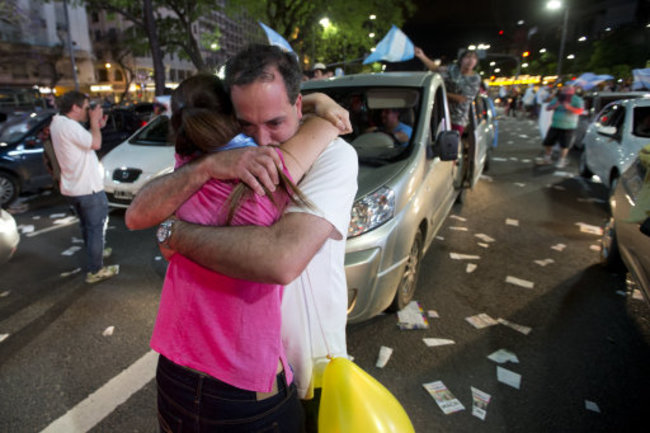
(445,147)
(606,130)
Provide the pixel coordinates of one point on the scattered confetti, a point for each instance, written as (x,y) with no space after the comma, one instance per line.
(56,215)
(520,328)
(70,251)
(498,158)
(484,237)
(512,222)
(483,245)
(3,337)
(519,282)
(502,356)
(412,317)
(471,267)
(108,331)
(433,314)
(26,228)
(458,256)
(5,294)
(594,247)
(481,321)
(558,247)
(486,177)
(443,397)
(384,356)
(559,187)
(433,342)
(72,272)
(544,262)
(459,218)
(459,229)
(636,294)
(520,184)
(588,228)
(508,377)
(590,405)
(440,238)
(480,401)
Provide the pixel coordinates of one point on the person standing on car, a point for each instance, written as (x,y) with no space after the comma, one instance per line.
(566,107)
(82,181)
(461,82)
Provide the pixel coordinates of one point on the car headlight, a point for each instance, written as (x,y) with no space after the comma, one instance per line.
(372,211)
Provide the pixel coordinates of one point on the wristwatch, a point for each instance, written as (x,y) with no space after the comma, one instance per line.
(164,232)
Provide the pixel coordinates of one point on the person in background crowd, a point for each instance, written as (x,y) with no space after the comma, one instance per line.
(391,125)
(319,71)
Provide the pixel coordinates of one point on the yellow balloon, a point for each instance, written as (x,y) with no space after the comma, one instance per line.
(352,401)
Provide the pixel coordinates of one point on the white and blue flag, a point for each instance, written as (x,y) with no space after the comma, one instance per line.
(590,80)
(641,79)
(395,47)
(275,38)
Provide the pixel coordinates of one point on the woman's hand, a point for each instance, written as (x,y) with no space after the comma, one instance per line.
(325,107)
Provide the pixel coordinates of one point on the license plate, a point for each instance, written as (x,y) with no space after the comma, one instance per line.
(123,195)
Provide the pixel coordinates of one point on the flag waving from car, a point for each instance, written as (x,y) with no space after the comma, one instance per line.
(589,80)
(395,47)
(275,38)
(641,79)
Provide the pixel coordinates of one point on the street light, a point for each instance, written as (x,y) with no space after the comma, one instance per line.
(325,22)
(554,5)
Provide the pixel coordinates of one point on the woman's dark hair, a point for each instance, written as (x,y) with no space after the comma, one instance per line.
(203,120)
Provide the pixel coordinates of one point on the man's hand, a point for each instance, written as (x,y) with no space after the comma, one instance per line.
(255,166)
(97,117)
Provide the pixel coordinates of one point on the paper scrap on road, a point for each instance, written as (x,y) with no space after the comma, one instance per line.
(588,228)
(384,356)
(592,406)
(559,187)
(520,184)
(621,292)
(591,200)
(508,377)
(26,228)
(36,217)
(157,258)
(483,245)
(70,251)
(594,247)
(480,401)
(77,240)
(433,342)
(5,294)
(498,158)
(502,356)
(471,267)
(520,328)
(558,247)
(433,314)
(66,220)
(459,218)
(563,174)
(481,321)
(440,238)
(458,229)
(486,177)
(513,158)
(512,222)
(57,215)
(458,256)
(484,237)
(519,282)
(636,294)
(72,272)
(412,317)
(108,331)
(443,397)
(3,337)
(526,161)
(544,262)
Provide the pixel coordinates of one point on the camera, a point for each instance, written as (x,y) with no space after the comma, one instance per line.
(92,105)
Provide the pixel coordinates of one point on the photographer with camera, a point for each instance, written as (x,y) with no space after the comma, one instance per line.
(567,108)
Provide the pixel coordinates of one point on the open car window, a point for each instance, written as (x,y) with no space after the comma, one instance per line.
(641,122)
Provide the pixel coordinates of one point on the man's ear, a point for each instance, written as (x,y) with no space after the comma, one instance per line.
(299,106)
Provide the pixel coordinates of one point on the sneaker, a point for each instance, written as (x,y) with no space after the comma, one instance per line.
(102,274)
(107,252)
(545,160)
(561,163)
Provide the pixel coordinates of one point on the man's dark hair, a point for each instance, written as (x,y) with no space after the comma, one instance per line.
(254,63)
(70,99)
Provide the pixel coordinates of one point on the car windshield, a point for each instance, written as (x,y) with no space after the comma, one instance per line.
(641,126)
(17,129)
(156,133)
(372,112)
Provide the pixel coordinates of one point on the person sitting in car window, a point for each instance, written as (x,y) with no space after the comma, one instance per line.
(391,125)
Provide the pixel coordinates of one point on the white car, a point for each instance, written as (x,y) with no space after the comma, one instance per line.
(614,139)
(146,155)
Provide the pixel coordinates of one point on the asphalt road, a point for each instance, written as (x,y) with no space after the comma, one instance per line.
(589,337)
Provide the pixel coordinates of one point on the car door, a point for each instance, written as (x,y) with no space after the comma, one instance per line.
(605,150)
(30,157)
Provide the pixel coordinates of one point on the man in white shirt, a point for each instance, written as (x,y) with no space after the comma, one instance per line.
(81,176)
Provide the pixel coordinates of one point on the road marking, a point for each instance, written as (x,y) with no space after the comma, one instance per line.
(51,228)
(98,405)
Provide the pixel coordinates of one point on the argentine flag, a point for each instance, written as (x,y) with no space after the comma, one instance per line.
(275,38)
(395,47)
(641,79)
(589,80)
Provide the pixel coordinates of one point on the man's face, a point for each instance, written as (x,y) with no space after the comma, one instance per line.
(264,111)
(389,118)
(468,62)
(82,112)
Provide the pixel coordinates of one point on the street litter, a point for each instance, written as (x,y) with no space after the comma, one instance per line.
(563,174)
(483,245)
(592,406)
(72,272)
(591,200)
(588,228)
(544,262)
(384,356)
(502,356)
(636,294)
(508,377)
(480,401)
(77,240)
(29,228)
(512,222)
(520,328)
(458,256)
(621,292)
(460,229)
(157,258)
(519,282)
(70,251)
(433,314)
(443,397)
(594,247)
(558,247)
(481,321)
(485,177)
(523,136)
(498,158)
(433,342)
(3,337)
(459,218)
(36,217)
(440,238)
(526,161)
(57,215)
(4,294)
(471,267)
(559,187)
(512,158)
(484,237)
(412,317)
(519,184)
(67,220)
(108,331)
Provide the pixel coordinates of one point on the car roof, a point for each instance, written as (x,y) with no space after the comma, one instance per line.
(401,79)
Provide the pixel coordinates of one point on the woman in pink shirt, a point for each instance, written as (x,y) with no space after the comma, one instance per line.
(214,333)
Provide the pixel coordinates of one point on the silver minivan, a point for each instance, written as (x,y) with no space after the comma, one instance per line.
(406,190)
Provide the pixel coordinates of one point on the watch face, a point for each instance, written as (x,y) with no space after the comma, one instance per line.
(162,233)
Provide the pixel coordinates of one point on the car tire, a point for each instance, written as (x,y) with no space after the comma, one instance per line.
(406,288)
(9,189)
(584,170)
(610,255)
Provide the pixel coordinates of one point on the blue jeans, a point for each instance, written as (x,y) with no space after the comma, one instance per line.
(92,210)
(193,402)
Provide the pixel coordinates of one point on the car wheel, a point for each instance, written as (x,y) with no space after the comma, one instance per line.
(9,189)
(584,170)
(406,288)
(610,256)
